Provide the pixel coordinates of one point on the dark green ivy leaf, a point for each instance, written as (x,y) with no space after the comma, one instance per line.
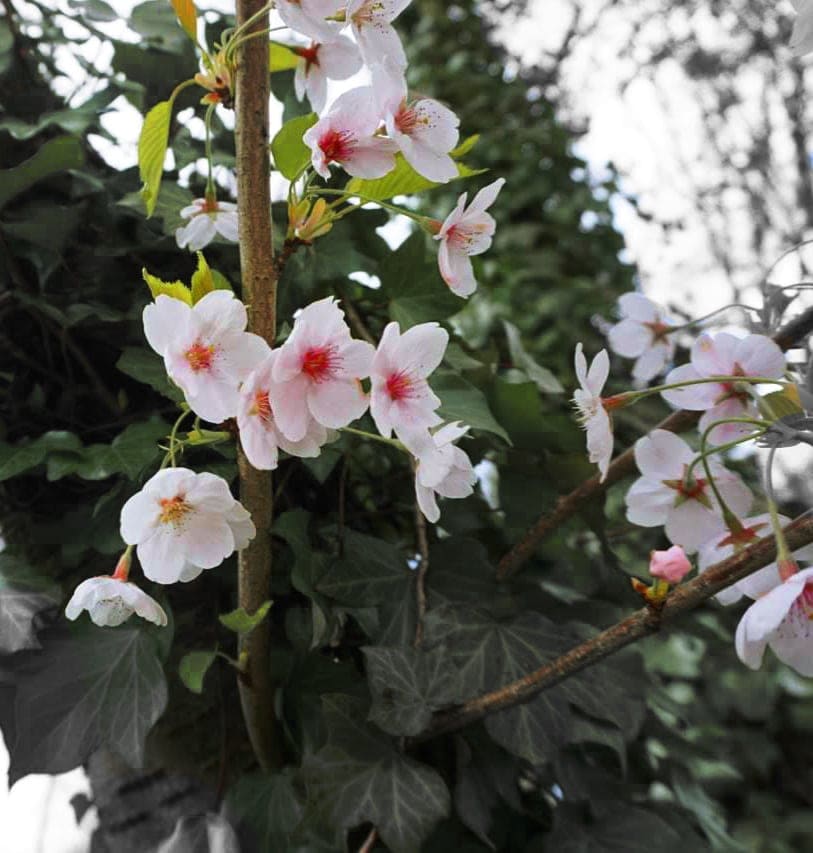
(23,597)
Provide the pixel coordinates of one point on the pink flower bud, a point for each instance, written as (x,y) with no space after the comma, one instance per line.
(671,566)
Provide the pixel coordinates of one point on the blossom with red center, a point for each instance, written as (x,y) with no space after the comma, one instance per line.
(782,619)
(466,232)
(443,469)
(371,23)
(110,601)
(207,218)
(337,59)
(401,400)
(643,333)
(317,372)
(205,348)
(724,355)
(182,523)
(260,436)
(666,494)
(424,130)
(346,135)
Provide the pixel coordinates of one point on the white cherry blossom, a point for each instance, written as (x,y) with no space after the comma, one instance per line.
(783,620)
(371,23)
(642,334)
(466,232)
(319,369)
(260,436)
(346,135)
(308,17)
(443,469)
(207,218)
(688,510)
(338,59)
(182,523)
(110,601)
(205,348)
(593,413)
(424,130)
(724,355)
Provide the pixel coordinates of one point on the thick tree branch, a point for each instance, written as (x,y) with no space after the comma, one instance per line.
(569,505)
(259,278)
(646,621)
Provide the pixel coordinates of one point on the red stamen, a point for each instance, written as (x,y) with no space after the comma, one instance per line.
(262,405)
(200,357)
(337,145)
(406,120)
(400,386)
(309,54)
(320,363)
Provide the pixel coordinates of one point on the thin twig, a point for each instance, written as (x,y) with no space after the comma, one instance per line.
(420,578)
(641,623)
(569,505)
(357,323)
(369,842)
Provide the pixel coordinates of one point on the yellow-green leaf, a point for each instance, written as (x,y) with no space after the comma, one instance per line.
(193,669)
(780,404)
(465,146)
(174,289)
(241,622)
(291,155)
(152,148)
(202,281)
(281,58)
(185,10)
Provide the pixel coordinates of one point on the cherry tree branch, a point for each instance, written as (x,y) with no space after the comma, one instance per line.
(643,622)
(569,505)
(259,277)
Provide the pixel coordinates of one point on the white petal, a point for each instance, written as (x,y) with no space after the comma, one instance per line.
(695,397)
(337,403)
(661,455)
(760,356)
(166,322)
(638,308)
(420,349)
(629,339)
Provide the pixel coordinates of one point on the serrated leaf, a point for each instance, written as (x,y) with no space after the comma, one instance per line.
(136,447)
(202,280)
(86,688)
(56,155)
(281,58)
(17,459)
(291,155)
(541,376)
(173,289)
(241,622)
(23,597)
(359,776)
(269,807)
(193,668)
(147,367)
(462,401)
(152,149)
(187,17)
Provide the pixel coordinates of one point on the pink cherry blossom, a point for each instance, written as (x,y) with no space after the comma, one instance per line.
(424,130)
(443,469)
(688,509)
(371,22)
(463,233)
(260,436)
(593,413)
(783,620)
(401,399)
(308,17)
(334,60)
(671,565)
(110,601)
(182,523)
(205,348)
(642,334)
(318,370)
(345,135)
(724,355)
(207,218)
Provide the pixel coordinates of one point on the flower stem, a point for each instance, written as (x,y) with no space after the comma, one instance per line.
(783,554)
(346,195)
(373,436)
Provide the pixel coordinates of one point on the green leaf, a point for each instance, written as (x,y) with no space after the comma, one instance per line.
(147,367)
(87,688)
(193,668)
(461,401)
(360,776)
(544,379)
(56,155)
(136,447)
(187,17)
(291,155)
(24,596)
(16,459)
(152,149)
(173,289)
(202,280)
(270,805)
(281,58)
(241,622)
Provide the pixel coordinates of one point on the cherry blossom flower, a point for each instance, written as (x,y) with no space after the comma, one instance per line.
(725,543)
(260,436)
(182,523)
(110,602)
(663,496)
(207,218)
(724,355)
(443,469)
(801,39)
(345,135)
(205,348)
(463,233)
(318,63)
(400,398)
(308,17)
(371,22)
(783,620)
(671,565)
(424,129)
(642,334)
(318,369)
(593,410)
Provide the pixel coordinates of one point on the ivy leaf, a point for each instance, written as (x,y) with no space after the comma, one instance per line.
(241,622)
(281,58)
(291,155)
(173,289)
(359,776)
(17,459)
(269,807)
(462,401)
(136,447)
(56,155)
(152,148)
(86,688)
(23,597)
(193,668)
(185,10)
(147,367)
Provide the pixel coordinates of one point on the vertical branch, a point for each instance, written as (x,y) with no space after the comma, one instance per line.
(423,568)
(259,280)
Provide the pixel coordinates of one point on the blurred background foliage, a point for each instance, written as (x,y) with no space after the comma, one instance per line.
(673,746)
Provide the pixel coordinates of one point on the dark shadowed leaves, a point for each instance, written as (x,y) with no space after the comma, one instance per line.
(268,808)
(24,597)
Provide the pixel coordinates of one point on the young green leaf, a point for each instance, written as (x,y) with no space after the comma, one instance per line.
(281,58)
(241,622)
(202,280)
(193,669)
(174,289)
(152,148)
(185,10)
(291,155)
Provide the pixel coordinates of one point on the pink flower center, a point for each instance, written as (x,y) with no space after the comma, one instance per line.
(659,330)
(462,237)
(200,357)
(732,391)
(741,538)
(400,386)
(337,145)
(406,120)
(261,406)
(309,54)
(173,510)
(689,489)
(320,363)
(366,12)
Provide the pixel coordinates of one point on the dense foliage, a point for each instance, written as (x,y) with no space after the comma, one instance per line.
(671,746)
